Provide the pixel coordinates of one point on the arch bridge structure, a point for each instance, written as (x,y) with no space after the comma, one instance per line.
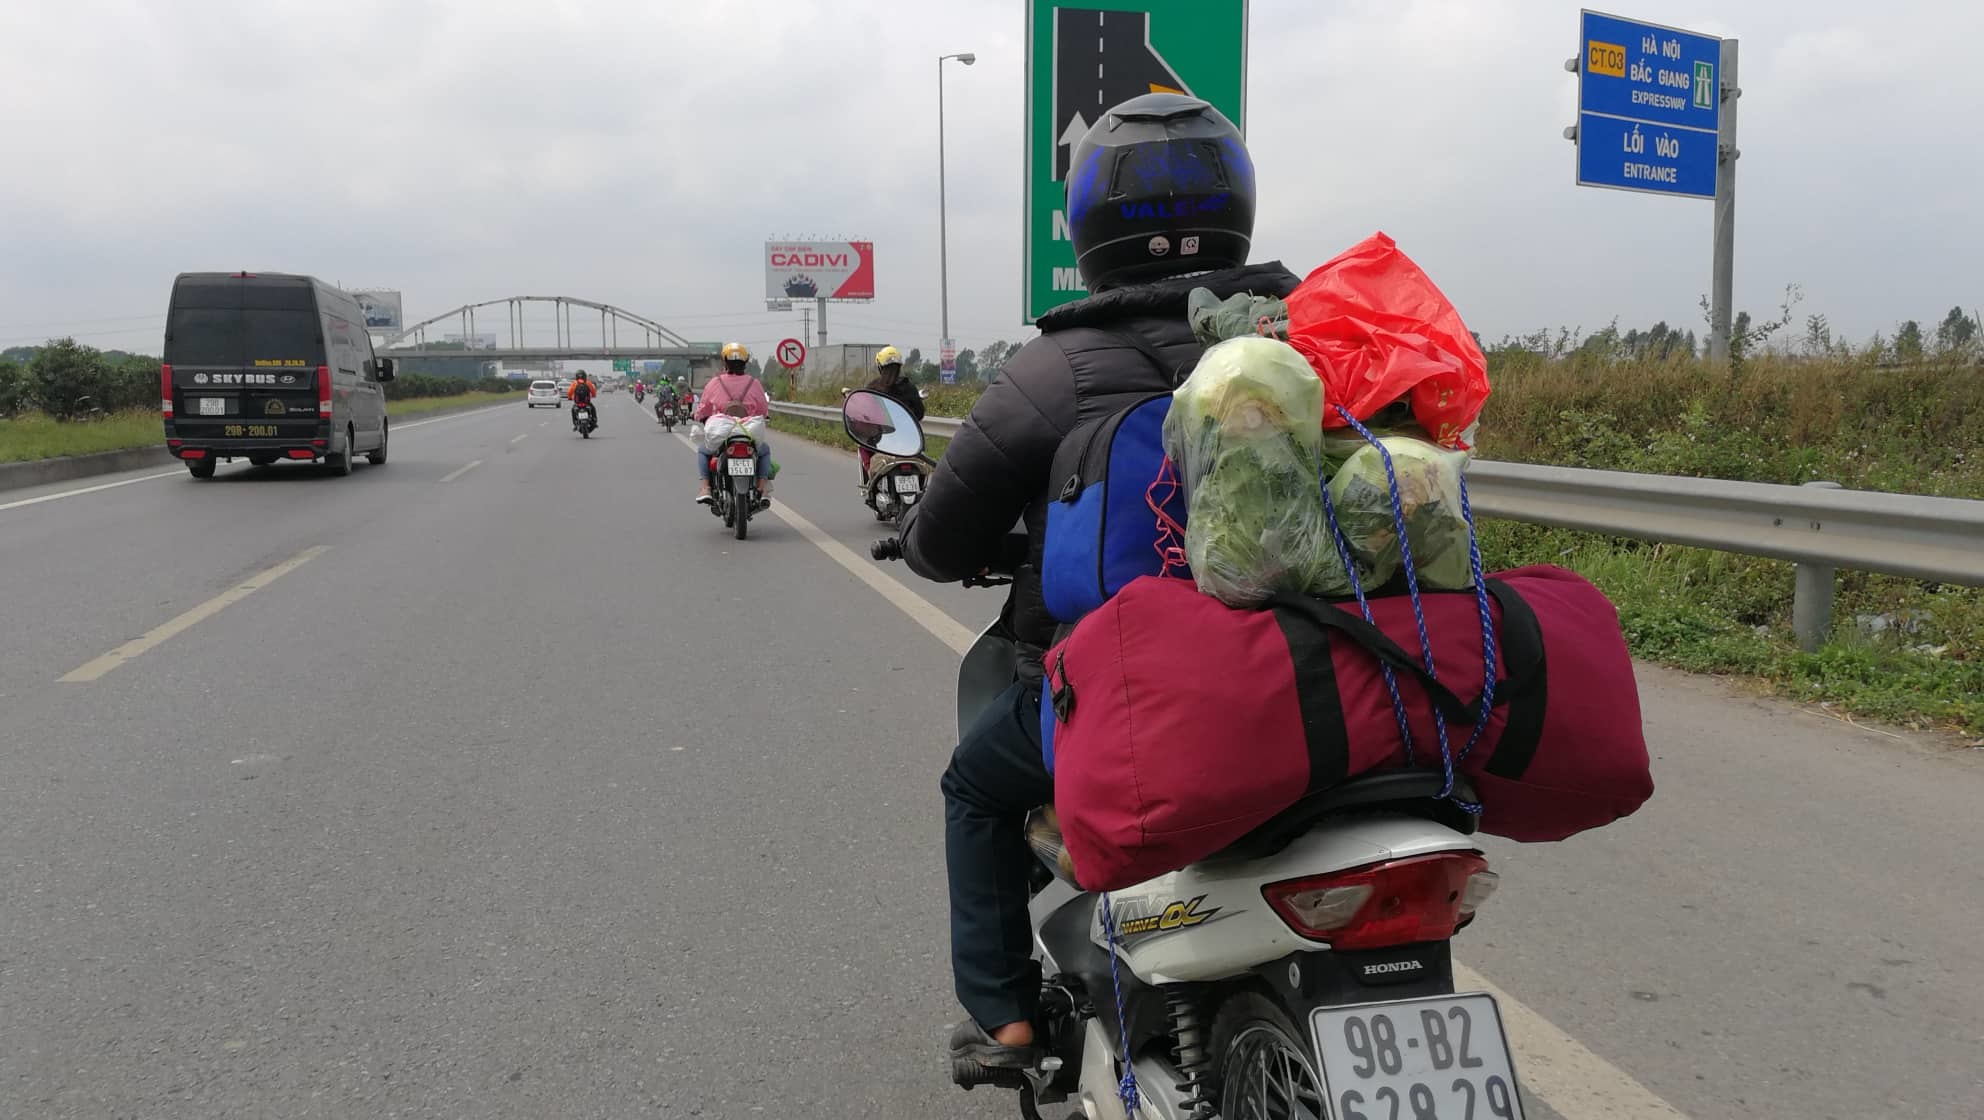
(621,334)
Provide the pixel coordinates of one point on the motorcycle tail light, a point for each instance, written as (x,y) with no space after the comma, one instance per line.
(740,451)
(1398,902)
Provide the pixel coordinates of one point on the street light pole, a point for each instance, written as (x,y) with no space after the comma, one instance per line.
(943,221)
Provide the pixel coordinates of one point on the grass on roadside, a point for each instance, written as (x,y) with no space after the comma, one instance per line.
(34,435)
(459,400)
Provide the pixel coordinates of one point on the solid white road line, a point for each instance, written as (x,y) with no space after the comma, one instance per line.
(86,490)
(460,471)
(1577,1083)
(519,437)
(91,670)
(1561,1070)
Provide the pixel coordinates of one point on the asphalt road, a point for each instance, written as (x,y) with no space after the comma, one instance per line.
(533,794)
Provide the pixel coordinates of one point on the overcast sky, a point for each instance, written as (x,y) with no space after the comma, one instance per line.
(639,152)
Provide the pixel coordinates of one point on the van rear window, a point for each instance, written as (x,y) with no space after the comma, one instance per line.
(218,336)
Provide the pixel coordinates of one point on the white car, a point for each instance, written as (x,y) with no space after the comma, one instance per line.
(544,392)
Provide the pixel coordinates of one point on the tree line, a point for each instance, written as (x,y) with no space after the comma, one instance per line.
(69,381)
(1959,336)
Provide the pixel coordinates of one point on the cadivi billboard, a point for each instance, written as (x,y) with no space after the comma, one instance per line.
(819,270)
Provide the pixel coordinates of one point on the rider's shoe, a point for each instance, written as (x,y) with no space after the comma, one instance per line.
(703,497)
(977,1059)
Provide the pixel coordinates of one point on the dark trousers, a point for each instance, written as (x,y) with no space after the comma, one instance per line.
(995,778)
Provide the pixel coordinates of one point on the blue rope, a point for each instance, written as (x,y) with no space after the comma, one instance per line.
(1487,621)
(1127,1088)
(1447,757)
(1363,604)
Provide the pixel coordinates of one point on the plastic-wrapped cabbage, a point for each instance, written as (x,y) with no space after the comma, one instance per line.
(1215,320)
(1429,493)
(1246,433)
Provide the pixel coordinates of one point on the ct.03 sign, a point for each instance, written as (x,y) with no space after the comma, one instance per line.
(1086,56)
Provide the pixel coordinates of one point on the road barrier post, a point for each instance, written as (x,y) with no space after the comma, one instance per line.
(1811,598)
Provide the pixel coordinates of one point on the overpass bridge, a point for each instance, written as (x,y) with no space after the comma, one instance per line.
(622,335)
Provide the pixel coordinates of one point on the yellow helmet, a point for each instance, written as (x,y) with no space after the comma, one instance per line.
(736,352)
(888,356)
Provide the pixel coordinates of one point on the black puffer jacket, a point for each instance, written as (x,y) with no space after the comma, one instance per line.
(996,469)
(903,392)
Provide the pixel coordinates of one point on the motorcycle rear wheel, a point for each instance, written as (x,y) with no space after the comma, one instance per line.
(1265,1069)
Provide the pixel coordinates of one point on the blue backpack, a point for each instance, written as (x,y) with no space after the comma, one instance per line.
(1102,530)
(1118,511)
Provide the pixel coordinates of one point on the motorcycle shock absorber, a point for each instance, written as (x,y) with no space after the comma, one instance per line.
(1193,1058)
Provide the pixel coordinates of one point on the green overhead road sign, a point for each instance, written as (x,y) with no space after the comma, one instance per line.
(1085,56)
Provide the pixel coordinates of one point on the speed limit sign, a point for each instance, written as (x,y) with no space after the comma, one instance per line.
(792,353)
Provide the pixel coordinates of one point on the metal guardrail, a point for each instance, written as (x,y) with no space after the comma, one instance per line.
(1818,526)
(943,426)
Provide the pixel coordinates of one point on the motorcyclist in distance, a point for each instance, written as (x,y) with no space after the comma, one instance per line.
(733,392)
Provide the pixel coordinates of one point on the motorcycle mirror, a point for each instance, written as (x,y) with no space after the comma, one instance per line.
(881,424)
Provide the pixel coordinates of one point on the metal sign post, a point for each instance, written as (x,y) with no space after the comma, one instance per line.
(1723,281)
(1657,115)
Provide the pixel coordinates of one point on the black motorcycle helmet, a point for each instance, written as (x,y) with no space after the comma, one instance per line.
(1161,185)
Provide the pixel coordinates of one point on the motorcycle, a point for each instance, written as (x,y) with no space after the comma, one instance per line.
(584,420)
(1305,971)
(897,475)
(639,396)
(734,494)
(665,414)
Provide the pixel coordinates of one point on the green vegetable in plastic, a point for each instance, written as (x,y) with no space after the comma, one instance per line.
(1246,433)
(1429,493)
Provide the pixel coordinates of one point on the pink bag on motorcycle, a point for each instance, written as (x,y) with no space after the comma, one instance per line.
(1181,725)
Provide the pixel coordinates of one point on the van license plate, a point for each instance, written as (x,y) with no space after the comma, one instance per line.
(213,406)
(744,468)
(1439,1056)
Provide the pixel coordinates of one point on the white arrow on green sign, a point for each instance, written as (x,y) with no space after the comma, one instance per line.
(1086,56)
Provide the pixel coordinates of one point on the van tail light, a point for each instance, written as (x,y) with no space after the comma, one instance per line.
(1399,902)
(193,453)
(324,392)
(300,453)
(165,390)
(740,451)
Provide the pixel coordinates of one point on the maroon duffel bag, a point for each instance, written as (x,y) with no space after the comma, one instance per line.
(1178,724)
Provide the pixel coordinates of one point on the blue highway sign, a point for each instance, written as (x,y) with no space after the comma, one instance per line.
(1649,104)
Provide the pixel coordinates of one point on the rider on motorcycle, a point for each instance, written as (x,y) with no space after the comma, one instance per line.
(890,382)
(582,392)
(736,393)
(1129,337)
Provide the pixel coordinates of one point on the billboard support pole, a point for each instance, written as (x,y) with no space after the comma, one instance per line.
(1723,270)
(823,322)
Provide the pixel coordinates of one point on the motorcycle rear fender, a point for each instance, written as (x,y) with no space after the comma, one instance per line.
(1210,921)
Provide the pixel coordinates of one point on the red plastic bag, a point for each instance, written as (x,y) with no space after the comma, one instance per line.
(1376,329)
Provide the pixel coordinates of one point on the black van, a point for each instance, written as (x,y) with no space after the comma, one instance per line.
(267,366)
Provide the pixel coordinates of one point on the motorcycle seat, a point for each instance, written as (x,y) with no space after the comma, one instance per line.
(1414,792)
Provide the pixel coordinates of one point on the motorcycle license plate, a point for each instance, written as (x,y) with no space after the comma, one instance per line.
(741,468)
(1439,1056)
(909,484)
